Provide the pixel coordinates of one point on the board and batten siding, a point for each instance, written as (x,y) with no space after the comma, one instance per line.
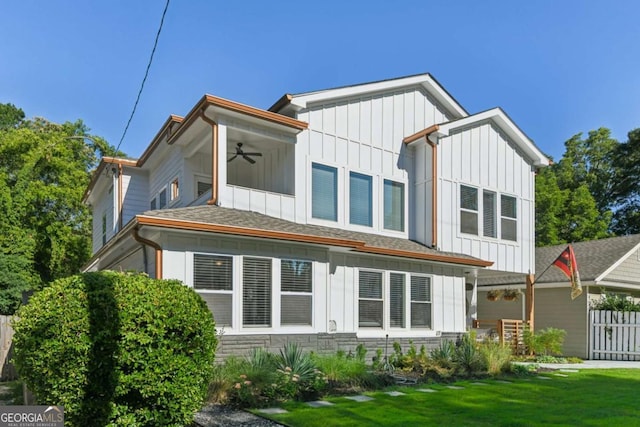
(363,135)
(483,157)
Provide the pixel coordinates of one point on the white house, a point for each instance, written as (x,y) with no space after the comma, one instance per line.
(336,217)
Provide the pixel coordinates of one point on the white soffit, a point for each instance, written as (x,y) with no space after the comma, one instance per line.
(497,116)
(432,87)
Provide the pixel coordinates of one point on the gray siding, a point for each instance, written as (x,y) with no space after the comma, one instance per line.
(554,308)
(627,271)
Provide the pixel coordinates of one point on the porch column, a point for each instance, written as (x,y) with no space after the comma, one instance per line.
(530,298)
(473,305)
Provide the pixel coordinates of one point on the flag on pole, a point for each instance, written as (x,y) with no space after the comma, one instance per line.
(566,262)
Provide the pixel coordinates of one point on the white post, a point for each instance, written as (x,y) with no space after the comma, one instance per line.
(473,306)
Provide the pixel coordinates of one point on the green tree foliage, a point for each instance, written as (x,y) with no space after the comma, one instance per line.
(44,170)
(626,219)
(117,349)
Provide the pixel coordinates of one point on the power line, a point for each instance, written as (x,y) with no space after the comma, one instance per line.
(146,73)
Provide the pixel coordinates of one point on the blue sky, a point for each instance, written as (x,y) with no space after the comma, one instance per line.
(556,67)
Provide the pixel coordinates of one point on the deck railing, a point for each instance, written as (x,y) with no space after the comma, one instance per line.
(509,331)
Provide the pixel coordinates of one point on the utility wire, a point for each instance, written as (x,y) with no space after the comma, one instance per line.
(146,73)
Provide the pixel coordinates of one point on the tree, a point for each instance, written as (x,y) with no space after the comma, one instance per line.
(10,116)
(626,219)
(45,229)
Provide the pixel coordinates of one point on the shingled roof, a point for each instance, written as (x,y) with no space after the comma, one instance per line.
(594,257)
(240,221)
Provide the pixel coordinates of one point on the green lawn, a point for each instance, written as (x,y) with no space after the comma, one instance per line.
(587,398)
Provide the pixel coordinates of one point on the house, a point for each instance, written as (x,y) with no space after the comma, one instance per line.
(611,265)
(333,218)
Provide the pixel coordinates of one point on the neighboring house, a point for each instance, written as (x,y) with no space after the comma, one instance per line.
(610,264)
(334,218)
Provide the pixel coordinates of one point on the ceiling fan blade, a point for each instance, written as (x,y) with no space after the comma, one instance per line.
(232,158)
(253,154)
(248,159)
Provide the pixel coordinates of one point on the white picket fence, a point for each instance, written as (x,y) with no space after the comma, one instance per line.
(614,335)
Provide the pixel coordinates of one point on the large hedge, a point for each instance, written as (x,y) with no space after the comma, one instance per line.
(117,349)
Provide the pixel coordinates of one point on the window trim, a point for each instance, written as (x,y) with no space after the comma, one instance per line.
(403,202)
(231,292)
(370,181)
(480,219)
(508,218)
(175,190)
(309,294)
(462,210)
(337,212)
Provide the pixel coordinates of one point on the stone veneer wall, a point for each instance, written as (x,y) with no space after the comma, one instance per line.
(240,345)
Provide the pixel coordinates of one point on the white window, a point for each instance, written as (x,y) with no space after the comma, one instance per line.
(393,205)
(256,292)
(175,189)
(324,192)
(397,294)
(360,199)
(371,303)
(213,280)
(420,302)
(489,220)
(509,218)
(296,287)
(468,210)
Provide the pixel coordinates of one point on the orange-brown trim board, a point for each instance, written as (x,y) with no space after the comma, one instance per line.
(434,176)
(214,158)
(154,245)
(355,245)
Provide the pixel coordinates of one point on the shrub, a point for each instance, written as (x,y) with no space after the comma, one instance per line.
(496,357)
(443,354)
(614,302)
(299,377)
(116,348)
(467,357)
(547,341)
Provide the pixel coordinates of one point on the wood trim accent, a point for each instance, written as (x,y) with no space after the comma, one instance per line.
(154,245)
(355,245)
(530,301)
(119,161)
(281,103)
(165,129)
(214,158)
(430,257)
(210,100)
(243,231)
(423,133)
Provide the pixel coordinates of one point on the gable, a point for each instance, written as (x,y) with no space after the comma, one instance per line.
(627,271)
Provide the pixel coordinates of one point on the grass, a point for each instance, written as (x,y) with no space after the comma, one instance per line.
(587,398)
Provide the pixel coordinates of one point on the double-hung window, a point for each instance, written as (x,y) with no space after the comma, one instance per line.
(256,292)
(420,302)
(489,219)
(324,192)
(371,303)
(360,199)
(213,280)
(296,287)
(162,198)
(509,218)
(468,209)
(393,205)
(397,291)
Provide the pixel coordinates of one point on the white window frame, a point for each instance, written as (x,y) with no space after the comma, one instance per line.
(174,190)
(508,218)
(429,301)
(462,210)
(337,198)
(272,292)
(372,183)
(205,291)
(283,293)
(403,214)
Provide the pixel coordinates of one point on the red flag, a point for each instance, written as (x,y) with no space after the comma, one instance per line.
(566,262)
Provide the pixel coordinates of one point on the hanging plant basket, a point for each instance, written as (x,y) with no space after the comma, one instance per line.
(510,294)
(494,295)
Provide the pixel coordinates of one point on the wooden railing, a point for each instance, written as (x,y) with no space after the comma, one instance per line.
(509,331)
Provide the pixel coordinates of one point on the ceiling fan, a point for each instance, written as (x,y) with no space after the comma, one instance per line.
(246,156)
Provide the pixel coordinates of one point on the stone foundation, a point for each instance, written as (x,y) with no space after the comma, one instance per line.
(241,345)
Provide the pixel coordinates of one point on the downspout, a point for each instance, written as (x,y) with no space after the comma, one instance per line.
(214,159)
(154,245)
(120,198)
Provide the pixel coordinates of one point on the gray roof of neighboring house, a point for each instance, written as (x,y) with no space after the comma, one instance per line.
(594,257)
(253,220)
